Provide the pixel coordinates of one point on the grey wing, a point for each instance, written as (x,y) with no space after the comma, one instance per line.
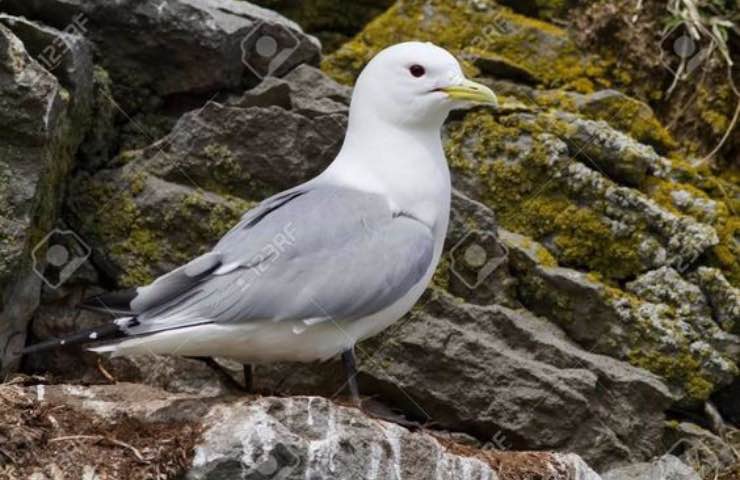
(324,253)
(183,279)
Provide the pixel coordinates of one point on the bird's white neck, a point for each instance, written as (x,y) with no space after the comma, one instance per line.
(405,164)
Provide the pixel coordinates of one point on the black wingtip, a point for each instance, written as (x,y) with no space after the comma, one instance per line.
(104,332)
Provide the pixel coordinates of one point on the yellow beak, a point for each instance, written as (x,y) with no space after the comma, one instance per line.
(470,91)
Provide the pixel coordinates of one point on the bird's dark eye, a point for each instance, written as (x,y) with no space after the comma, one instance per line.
(417,70)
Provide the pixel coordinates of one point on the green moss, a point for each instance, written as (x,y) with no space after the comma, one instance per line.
(145,239)
(464,29)
(441,276)
(633,117)
(527,199)
(679,369)
(726,255)
(223,170)
(723,217)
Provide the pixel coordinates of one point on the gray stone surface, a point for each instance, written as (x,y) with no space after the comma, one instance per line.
(181,46)
(667,467)
(658,323)
(43,118)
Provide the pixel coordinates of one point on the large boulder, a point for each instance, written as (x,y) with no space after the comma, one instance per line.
(44,117)
(181,46)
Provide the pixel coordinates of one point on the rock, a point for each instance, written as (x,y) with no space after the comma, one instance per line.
(504,374)
(612,153)
(224,437)
(334,21)
(463,272)
(665,285)
(627,115)
(137,233)
(726,401)
(99,143)
(667,467)
(309,437)
(251,148)
(215,43)
(68,56)
(695,446)
(44,119)
(723,298)
(662,323)
(536,187)
(542,50)
(545,10)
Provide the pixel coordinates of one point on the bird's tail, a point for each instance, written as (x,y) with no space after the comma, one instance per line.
(109,331)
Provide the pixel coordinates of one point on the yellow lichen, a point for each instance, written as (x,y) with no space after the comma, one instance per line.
(538,47)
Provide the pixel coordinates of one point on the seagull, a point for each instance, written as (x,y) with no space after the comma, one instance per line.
(311,271)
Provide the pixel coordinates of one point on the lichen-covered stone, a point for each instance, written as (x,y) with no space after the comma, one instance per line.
(723,298)
(537,185)
(598,228)
(662,323)
(470,30)
(138,218)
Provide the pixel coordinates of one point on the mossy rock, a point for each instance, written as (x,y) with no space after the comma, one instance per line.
(663,326)
(539,187)
(471,30)
(544,9)
(139,219)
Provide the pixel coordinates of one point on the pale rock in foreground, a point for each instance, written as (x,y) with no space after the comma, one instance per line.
(287,438)
(667,467)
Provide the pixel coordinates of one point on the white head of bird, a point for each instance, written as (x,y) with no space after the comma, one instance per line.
(415,84)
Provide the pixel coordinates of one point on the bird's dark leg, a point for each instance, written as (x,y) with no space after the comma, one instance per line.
(248,378)
(348,360)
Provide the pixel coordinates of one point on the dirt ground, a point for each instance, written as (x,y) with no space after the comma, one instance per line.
(64,443)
